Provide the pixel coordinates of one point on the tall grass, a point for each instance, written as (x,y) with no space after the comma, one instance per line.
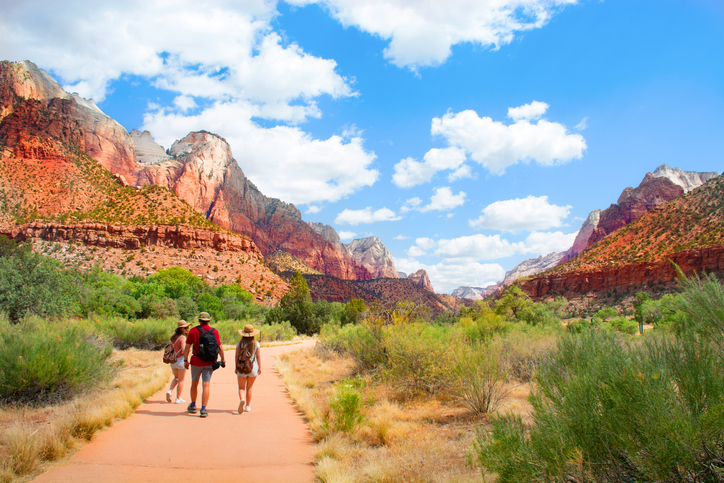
(42,362)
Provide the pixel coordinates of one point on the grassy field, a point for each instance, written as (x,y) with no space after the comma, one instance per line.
(35,438)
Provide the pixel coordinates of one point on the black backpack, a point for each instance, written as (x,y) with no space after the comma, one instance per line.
(208,347)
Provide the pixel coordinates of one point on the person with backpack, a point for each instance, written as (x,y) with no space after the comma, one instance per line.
(178,344)
(206,345)
(248,365)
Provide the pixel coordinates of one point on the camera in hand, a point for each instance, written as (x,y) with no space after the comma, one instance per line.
(218,364)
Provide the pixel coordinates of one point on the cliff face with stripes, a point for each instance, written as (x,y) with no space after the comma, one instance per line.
(687,231)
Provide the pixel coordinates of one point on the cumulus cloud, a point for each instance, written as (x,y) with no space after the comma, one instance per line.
(421,33)
(409,172)
(402,237)
(543,243)
(447,275)
(496,146)
(476,247)
(411,204)
(347,235)
(528,112)
(521,214)
(223,56)
(356,217)
(444,200)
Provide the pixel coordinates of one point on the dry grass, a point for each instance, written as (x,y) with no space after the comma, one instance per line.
(423,439)
(34,437)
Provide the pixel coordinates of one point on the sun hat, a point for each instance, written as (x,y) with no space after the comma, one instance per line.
(204,316)
(182,323)
(248,331)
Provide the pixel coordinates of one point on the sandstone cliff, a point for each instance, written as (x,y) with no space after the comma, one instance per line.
(39,104)
(148,151)
(373,255)
(421,279)
(204,173)
(688,230)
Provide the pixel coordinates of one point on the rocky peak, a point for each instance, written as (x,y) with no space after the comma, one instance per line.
(45,107)
(688,180)
(372,254)
(329,234)
(470,293)
(421,280)
(533,266)
(147,149)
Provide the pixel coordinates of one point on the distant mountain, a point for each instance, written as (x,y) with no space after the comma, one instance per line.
(72,208)
(148,151)
(688,230)
(387,291)
(421,280)
(533,266)
(372,254)
(470,293)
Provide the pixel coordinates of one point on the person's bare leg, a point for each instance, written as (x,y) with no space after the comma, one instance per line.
(180,385)
(249,384)
(174,382)
(194,390)
(205,393)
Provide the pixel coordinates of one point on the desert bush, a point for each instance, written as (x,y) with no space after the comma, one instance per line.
(42,362)
(346,405)
(419,357)
(123,334)
(482,323)
(364,342)
(229,331)
(153,306)
(479,378)
(607,410)
(524,348)
(622,324)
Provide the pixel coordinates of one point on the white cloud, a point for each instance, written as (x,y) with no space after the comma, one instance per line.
(476,247)
(447,275)
(444,200)
(422,32)
(463,171)
(425,243)
(543,243)
(496,146)
(283,161)
(222,55)
(521,214)
(347,235)
(528,112)
(355,217)
(401,237)
(583,125)
(311,209)
(415,251)
(411,204)
(409,173)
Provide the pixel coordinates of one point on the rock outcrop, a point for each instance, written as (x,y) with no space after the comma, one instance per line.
(584,234)
(373,255)
(147,149)
(204,173)
(37,104)
(533,266)
(628,277)
(688,180)
(421,279)
(470,293)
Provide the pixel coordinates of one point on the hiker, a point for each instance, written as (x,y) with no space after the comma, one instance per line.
(248,365)
(206,345)
(179,368)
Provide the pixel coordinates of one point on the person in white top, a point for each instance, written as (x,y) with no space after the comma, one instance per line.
(248,365)
(178,367)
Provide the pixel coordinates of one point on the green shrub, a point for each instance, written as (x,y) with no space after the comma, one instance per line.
(229,331)
(624,325)
(364,342)
(148,334)
(346,405)
(479,378)
(42,362)
(607,410)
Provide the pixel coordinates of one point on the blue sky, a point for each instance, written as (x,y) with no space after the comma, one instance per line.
(467,135)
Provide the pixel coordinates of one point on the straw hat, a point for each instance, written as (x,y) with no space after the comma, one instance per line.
(248,331)
(204,316)
(182,323)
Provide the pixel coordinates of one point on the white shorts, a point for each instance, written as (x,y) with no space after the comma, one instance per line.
(179,364)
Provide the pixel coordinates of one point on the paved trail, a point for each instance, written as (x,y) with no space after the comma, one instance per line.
(269,444)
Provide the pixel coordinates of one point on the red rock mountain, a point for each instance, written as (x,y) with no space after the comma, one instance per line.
(201,170)
(688,230)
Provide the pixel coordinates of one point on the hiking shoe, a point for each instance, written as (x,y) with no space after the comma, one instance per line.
(241,406)
(180,401)
(191,408)
(168,396)
(203,413)
(247,409)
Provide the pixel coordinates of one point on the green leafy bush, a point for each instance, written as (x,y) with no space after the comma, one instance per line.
(149,334)
(346,405)
(479,377)
(42,362)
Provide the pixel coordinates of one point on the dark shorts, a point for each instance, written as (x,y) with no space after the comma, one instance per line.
(204,372)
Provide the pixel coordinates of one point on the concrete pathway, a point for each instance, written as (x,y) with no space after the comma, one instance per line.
(161,442)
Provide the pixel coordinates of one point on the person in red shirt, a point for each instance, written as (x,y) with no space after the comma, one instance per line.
(200,369)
